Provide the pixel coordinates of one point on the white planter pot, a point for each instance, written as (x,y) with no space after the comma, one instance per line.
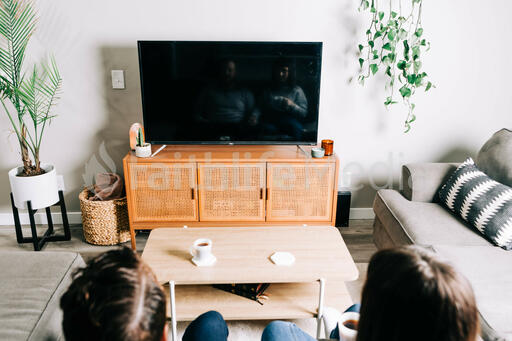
(42,190)
(144,151)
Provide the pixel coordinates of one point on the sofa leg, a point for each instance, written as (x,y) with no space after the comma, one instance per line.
(381,237)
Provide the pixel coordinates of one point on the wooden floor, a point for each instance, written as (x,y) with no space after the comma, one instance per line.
(358,237)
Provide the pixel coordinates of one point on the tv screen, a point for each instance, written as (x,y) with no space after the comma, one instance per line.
(230,92)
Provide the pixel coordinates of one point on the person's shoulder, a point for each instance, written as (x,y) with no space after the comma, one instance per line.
(297,88)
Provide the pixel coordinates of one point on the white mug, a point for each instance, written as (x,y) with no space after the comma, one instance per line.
(347,334)
(201,250)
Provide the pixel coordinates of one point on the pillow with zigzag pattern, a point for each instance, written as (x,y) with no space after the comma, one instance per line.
(481,201)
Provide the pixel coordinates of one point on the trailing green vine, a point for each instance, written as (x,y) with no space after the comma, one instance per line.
(394,44)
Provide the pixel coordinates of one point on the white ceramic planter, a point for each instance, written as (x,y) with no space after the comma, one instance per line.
(144,151)
(42,190)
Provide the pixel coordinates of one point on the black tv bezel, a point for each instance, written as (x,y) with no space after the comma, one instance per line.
(170,142)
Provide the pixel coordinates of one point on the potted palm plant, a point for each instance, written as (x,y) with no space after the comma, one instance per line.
(27,97)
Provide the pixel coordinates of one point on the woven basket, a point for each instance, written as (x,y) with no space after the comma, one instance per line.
(104,222)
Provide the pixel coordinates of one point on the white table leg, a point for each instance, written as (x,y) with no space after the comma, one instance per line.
(173,310)
(320,308)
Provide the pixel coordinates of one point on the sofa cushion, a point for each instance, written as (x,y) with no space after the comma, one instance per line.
(481,201)
(409,222)
(421,181)
(487,268)
(495,157)
(31,287)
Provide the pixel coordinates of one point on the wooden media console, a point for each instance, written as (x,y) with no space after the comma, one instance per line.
(191,185)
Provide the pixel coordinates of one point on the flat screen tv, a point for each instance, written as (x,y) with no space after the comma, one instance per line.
(198,92)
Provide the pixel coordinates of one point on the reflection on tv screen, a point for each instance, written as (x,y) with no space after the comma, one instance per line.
(230,92)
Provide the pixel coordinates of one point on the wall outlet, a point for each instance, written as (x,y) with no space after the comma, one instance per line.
(118,79)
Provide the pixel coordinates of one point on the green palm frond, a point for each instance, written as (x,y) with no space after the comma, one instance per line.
(51,86)
(17,24)
(5,64)
(27,93)
(40,92)
(6,90)
(34,93)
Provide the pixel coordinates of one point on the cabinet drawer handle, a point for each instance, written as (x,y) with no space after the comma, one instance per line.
(261,193)
(192,192)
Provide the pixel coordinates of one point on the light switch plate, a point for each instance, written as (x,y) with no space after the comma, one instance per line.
(118,79)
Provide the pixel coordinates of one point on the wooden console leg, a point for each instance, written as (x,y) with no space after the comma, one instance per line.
(134,242)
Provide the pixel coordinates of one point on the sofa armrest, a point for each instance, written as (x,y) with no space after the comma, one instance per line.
(421,181)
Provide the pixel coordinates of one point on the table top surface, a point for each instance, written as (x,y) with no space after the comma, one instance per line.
(243,255)
(230,154)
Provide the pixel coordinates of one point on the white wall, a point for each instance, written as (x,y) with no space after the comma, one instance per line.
(469,63)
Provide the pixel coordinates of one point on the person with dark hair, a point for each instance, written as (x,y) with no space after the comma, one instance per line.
(224,108)
(284,103)
(409,294)
(116,297)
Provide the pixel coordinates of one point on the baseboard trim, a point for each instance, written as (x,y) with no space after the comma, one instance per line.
(76,217)
(73,218)
(362,213)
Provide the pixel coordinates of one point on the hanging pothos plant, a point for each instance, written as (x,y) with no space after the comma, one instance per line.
(394,44)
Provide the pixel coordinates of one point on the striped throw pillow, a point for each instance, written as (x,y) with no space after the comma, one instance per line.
(482,202)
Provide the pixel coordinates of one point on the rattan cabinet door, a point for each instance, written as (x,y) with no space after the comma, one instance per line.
(231,192)
(163,192)
(300,192)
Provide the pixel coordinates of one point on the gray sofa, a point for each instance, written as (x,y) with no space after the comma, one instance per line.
(413,216)
(31,285)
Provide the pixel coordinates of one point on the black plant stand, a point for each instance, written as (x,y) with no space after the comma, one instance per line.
(48,236)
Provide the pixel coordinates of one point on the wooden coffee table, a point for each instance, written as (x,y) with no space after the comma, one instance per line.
(323,265)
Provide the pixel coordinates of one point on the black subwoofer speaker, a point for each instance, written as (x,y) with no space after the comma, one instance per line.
(343,208)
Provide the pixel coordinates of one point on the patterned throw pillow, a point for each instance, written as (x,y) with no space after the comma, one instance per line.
(484,203)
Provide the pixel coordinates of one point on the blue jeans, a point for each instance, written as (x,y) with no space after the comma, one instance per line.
(287,331)
(208,326)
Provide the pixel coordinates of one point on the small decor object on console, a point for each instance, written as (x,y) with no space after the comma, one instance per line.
(317,152)
(134,131)
(142,149)
(328,146)
(481,201)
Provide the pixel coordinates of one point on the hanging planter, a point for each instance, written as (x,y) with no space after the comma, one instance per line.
(394,45)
